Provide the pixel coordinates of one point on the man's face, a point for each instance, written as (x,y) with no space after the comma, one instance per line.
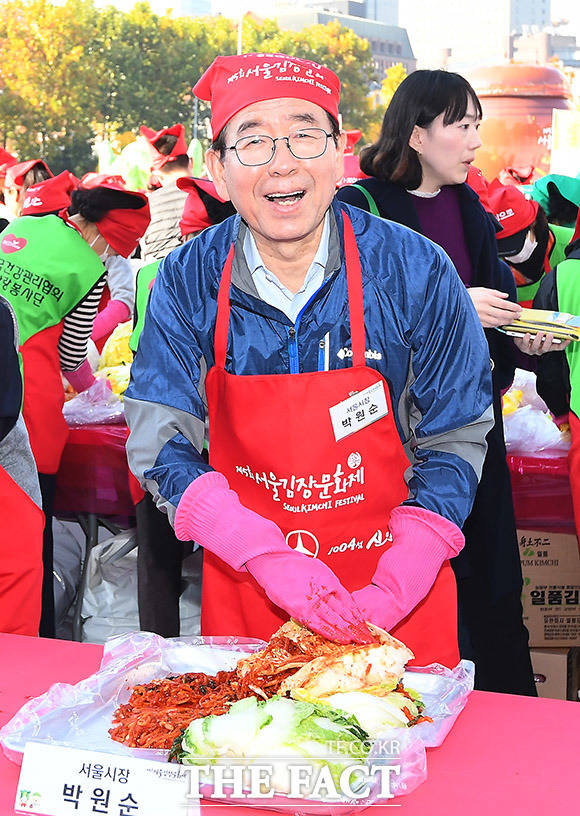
(286,199)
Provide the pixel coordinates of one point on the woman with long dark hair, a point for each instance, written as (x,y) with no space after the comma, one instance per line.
(418,168)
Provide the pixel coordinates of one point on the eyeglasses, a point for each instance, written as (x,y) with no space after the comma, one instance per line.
(309,143)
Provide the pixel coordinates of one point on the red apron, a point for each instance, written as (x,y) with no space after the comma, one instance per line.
(103,302)
(272,438)
(20,559)
(44,398)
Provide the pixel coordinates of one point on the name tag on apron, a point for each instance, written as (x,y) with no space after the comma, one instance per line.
(358,411)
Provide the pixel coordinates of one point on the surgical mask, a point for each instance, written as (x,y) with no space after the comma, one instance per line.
(104,255)
(525,252)
(533,268)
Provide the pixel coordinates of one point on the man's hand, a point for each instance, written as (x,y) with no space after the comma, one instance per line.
(422,542)
(307,589)
(493,307)
(541,343)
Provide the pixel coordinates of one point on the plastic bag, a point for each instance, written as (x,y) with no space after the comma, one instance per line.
(529,427)
(525,381)
(531,431)
(118,377)
(98,405)
(110,599)
(81,715)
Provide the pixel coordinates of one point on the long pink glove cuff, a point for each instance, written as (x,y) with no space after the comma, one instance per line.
(115,312)
(211,514)
(422,542)
(82,378)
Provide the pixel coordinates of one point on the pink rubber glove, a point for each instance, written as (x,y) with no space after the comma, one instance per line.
(82,378)
(211,514)
(422,542)
(115,312)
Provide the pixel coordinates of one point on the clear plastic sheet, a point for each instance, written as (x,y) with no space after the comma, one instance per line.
(80,716)
(93,476)
(98,405)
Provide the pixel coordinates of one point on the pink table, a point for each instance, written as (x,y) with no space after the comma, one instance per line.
(505,755)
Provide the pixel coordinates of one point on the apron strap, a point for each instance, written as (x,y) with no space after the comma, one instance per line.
(355,301)
(223,312)
(355,294)
(549,248)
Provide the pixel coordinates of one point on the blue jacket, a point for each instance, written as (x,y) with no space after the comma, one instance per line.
(422,334)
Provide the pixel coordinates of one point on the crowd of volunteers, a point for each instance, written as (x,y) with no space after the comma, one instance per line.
(315,395)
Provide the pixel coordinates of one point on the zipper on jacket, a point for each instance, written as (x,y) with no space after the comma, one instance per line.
(293,350)
(293,338)
(321,355)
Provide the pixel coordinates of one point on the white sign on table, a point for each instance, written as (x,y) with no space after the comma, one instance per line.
(55,780)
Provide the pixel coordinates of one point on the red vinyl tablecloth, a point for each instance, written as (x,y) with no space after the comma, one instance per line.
(94,476)
(541,491)
(505,754)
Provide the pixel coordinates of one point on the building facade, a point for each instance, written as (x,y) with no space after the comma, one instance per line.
(458,35)
(389,44)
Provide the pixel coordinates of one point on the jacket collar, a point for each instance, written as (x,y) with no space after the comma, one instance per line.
(242,277)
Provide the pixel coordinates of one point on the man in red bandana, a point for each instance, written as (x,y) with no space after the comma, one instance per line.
(169,163)
(326,349)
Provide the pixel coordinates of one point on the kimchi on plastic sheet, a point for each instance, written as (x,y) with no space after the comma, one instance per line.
(80,716)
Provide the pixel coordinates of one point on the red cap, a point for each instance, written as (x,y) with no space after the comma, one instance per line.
(352,171)
(515,213)
(352,137)
(179,149)
(195,215)
(15,174)
(478,182)
(121,228)
(50,195)
(6,160)
(233,83)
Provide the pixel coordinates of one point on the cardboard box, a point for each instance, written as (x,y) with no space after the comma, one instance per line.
(557,673)
(551,593)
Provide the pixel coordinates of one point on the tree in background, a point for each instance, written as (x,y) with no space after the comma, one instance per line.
(50,90)
(334,46)
(70,72)
(150,64)
(381,99)
(393,78)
